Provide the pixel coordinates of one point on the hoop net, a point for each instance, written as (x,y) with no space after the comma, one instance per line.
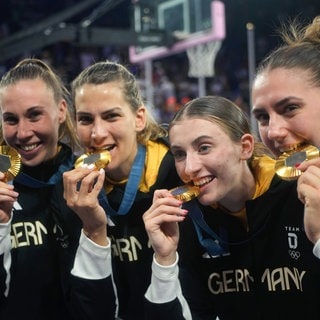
(201,59)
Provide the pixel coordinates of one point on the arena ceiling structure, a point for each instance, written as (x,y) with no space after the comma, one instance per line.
(78,21)
(64,26)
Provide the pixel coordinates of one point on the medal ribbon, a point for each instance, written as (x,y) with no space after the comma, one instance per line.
(211,244)
(131,186)
(31,182)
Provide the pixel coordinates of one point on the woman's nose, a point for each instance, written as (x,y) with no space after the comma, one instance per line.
(99,130)
(192,165)
(276,129)
(99,133)
(24,130)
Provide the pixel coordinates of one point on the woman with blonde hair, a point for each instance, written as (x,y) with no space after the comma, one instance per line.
(41,260)
(111,117)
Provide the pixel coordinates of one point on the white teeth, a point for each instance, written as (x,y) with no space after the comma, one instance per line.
(109,148)
(28,148)
(202,181)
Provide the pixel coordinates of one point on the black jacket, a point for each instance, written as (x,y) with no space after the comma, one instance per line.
(267,273)
(132,254)
(44,239)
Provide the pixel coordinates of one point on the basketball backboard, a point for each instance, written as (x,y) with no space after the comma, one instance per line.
(188,22)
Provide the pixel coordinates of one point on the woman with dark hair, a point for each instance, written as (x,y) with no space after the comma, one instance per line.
(285,96)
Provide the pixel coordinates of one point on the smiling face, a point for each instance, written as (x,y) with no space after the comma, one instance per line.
(209,158)
(31,120)
(105,120)
(286,106)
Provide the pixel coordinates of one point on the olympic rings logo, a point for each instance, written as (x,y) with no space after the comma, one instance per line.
(294,254)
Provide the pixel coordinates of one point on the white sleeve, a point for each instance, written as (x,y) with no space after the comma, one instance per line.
(164,282)
(5,241)
(5,250)
(316,249)
(92,261)
(165,286)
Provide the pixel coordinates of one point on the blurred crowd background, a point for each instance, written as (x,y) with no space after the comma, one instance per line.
(171,84)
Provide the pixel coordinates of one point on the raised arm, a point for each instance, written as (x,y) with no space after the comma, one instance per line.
(7,198)
(164,298)
(81,190)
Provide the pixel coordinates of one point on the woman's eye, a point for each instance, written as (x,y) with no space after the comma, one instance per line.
(178,155)
(204,148)
(33,116)
(111,116)
(84,119)
(290,108)
(262,118)
(10,120)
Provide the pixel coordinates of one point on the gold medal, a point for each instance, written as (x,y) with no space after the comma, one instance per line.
(185,193)
(10,162)
(287,163)
(99,159)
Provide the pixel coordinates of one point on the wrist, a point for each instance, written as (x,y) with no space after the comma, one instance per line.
(5,218)
(166,260)
(99,236)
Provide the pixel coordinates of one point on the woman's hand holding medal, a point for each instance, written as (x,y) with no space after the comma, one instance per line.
(82,186)
(9,167)
(303,163)
(288,165)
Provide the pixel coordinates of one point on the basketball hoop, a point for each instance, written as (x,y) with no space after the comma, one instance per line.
(204,30)
(202,57)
